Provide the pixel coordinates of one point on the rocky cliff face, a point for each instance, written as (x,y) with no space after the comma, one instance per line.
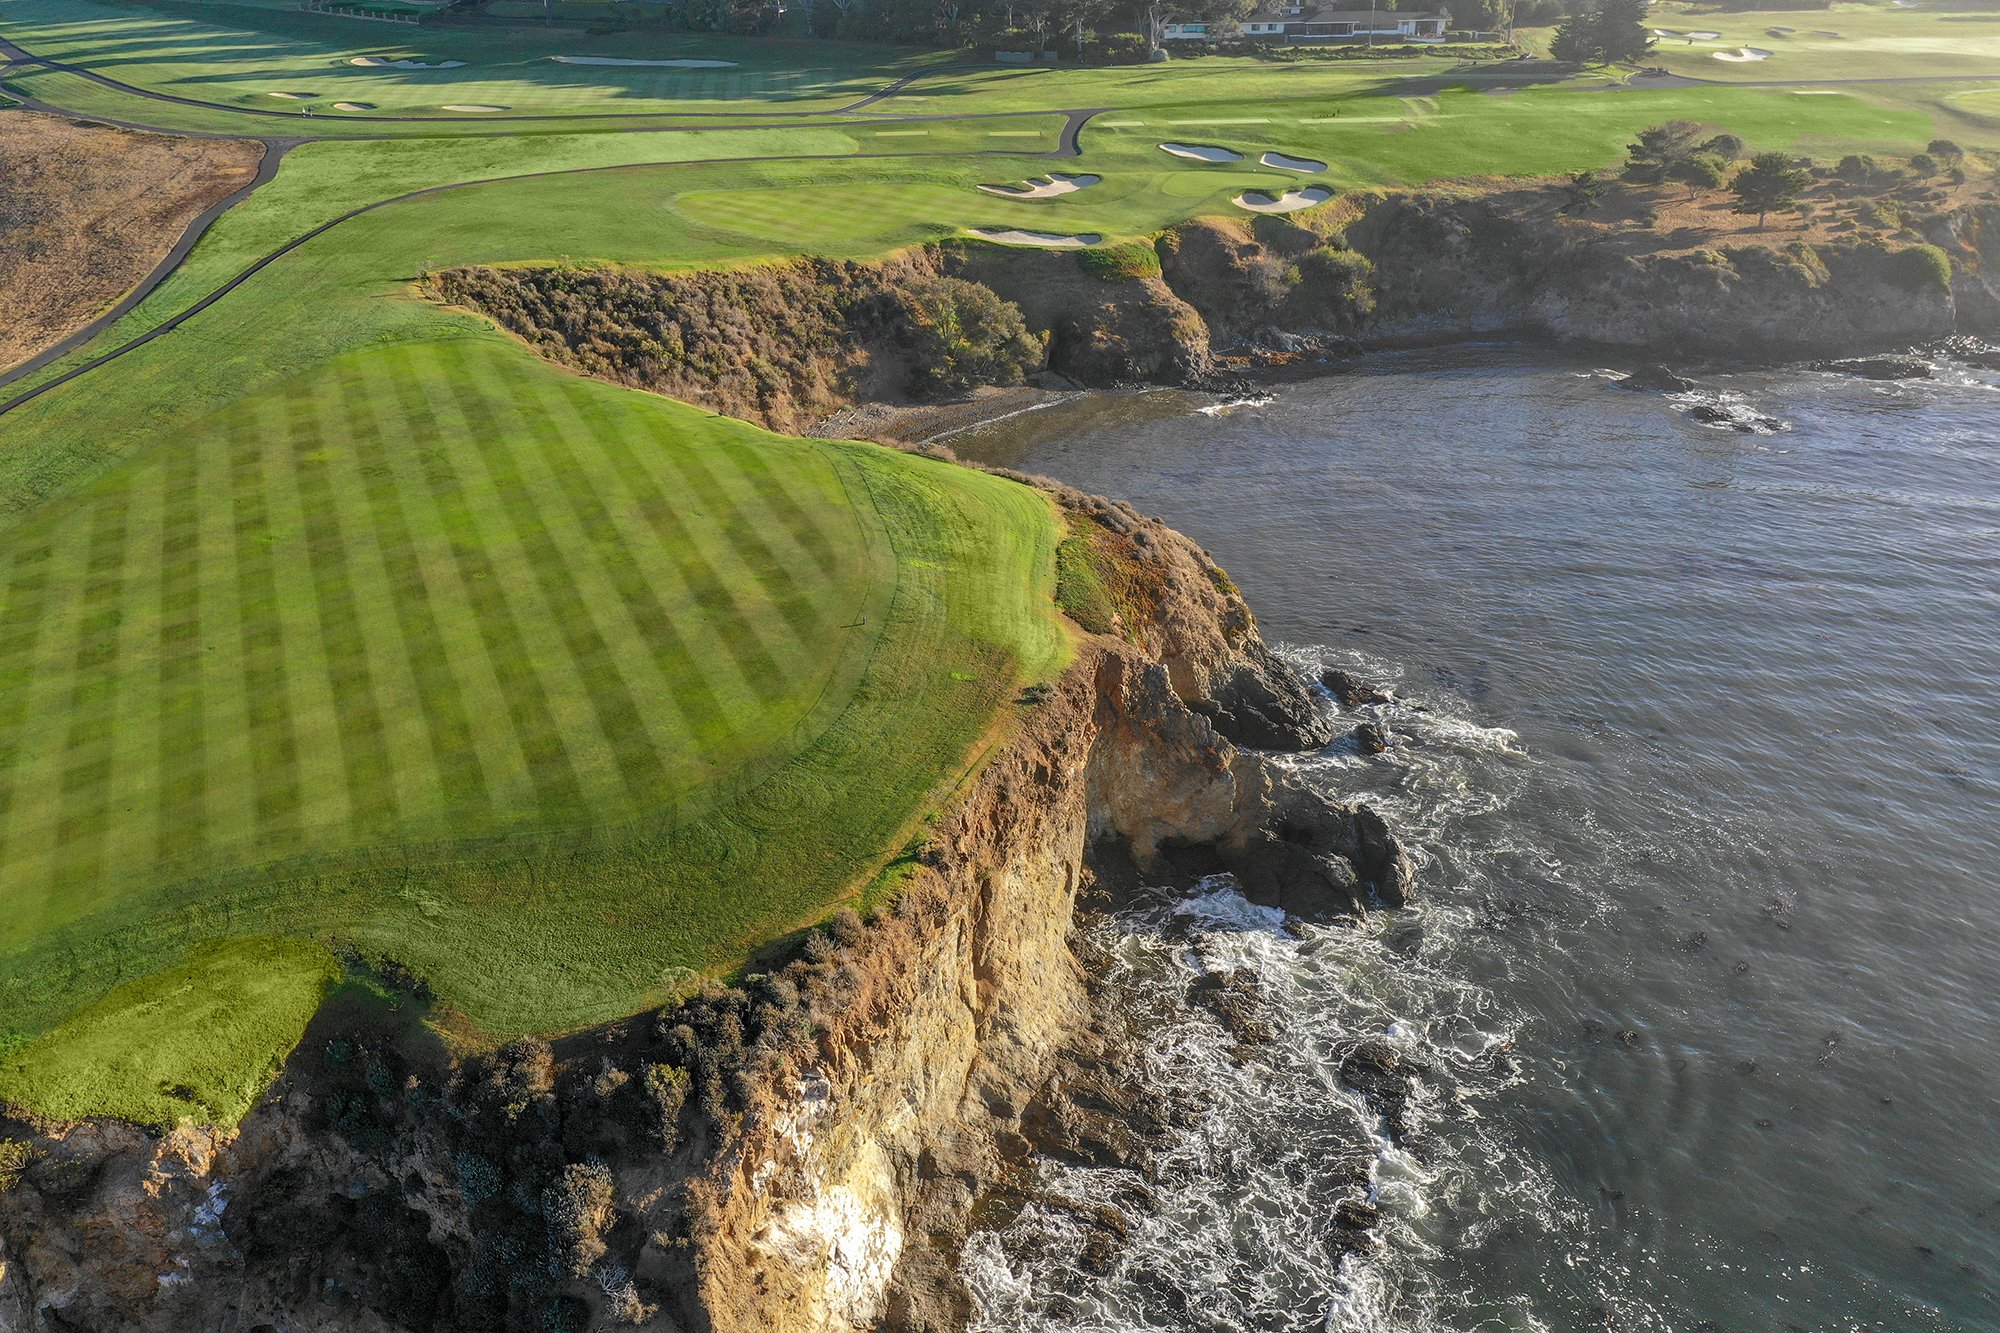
(798,1155)
(1368,270)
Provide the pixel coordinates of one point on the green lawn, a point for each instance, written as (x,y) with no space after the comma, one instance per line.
(333,619)
(547,689)
(1842,41)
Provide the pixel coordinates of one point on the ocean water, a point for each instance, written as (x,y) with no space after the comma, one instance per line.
(1704,777)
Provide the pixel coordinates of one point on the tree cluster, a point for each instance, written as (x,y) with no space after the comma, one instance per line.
(1610,32)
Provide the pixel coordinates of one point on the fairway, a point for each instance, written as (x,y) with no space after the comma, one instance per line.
(334,623)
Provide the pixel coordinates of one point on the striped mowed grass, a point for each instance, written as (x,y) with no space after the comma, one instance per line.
(547,689)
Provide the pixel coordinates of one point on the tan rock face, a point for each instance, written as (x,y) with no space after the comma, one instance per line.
(824,1185)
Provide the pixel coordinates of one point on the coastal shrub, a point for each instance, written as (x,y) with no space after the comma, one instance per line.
(577,1207)
(1725,146)
(1883,213)
(666,1094)
(1944,150)
(1080,589)
(14,1158)
(1918,267)
(1858,169)
(1583,192)
(1339,279)
(1704,169)
(1924,164)
(1121,262)
(1661,150)
(964,334)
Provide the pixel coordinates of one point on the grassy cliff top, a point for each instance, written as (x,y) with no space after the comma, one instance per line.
(334,622)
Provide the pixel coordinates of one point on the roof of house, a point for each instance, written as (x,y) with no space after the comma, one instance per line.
(1284,14)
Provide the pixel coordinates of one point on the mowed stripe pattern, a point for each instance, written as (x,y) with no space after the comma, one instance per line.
(315,627)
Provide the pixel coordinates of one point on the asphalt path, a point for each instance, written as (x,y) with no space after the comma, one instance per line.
(1068,146)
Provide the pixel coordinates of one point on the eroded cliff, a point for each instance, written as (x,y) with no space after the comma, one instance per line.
(802,1152)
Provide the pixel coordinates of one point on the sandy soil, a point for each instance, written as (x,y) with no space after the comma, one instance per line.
(1201,152)
(380,62)
(1286,162)
(1041,240)
(650,64)
(86,213)
(917,423)
(1291,201)
(1044,187)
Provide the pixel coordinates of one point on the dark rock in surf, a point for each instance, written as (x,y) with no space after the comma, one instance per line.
(1371,739)
(1237,1003)
(1262,704)
(1314,859)
(1655,378)
(1879,367)
(1386,1081)
(1354,1223)
(1350,689)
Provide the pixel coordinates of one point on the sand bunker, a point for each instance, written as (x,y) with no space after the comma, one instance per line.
(1042,240)
(378,62)
(296,97)
(471,106)
(1044,187)
(1285,162)
(1747,53)
(1291,201)
(353,106)
(649,64)
(1201,152)
(1781,32)
(1702,35)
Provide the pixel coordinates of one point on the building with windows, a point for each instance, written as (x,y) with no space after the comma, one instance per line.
(1301,23)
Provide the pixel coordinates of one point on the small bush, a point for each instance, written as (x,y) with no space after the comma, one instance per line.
(666,1088)
(577,1207)
(1920,267)
(964,334)
(14,1158)
(1858,169)
(1339,278)
(1120,263)
(1924,164)
(1944,150)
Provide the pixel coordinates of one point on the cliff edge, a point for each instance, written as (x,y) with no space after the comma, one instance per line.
(801,1152)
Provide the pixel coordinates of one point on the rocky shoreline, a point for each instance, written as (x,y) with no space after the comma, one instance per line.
(806,1151)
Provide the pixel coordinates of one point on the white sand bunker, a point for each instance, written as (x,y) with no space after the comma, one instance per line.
(1781,32)
(1291,201)
(381,62)
(1201,152)
(1747,53)
(1044,187)
(296,97)
(472,106)
(649,64)
(1702,35)
(1285,162)
(353,106)
(1042,240)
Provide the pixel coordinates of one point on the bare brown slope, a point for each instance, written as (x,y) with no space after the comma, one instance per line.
(87,211)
